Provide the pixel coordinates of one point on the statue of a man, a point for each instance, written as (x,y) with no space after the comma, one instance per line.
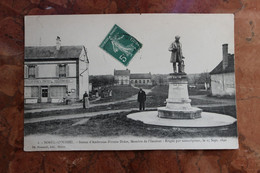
(176,56)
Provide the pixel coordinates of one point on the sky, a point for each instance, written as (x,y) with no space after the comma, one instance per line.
(202,36)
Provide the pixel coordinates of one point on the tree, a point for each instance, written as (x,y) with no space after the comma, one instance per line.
(101,80)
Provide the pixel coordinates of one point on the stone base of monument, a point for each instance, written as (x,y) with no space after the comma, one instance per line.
(191,113)
(208,119)
(178,103)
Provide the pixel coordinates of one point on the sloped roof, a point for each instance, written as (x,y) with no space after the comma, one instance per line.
(50,52)
(140,76)
(122,72)
(230,68)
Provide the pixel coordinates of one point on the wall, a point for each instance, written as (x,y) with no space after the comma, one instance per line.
(47,69)
(47,76)
(83,74)
(223,84)
(142,83)
(120,79)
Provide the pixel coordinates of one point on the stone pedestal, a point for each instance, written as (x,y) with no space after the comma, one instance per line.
(178,103)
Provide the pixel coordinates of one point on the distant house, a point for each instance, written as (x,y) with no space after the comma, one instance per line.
(141,79)
(223,75)
(122,77)
(52,73)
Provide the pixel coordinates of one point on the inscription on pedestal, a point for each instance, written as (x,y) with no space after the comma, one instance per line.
(177,85)
(178,102)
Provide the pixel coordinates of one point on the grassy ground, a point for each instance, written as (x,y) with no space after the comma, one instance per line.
(117,106)
(119,93)
(156,98)
(144,86)
(227,110)
(42,105)
(198,92)
(159,95)
(195,101)
(118,124)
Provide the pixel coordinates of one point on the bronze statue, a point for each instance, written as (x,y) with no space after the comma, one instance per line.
(176,56)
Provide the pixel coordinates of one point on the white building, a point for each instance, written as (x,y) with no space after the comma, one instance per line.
(52,71)
(122,77)
(223,75)
(141,79)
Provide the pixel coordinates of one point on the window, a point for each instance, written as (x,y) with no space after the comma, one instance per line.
(30,92)
(27,92)
(136,81)
(31,72)
(62,70)
(58,91)
(140,81)
(35,91)
(148,81)
(143,81)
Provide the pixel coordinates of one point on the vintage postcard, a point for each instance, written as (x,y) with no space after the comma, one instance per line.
(129,82)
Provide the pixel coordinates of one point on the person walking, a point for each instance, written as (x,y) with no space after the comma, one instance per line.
(85,100)
(141,99)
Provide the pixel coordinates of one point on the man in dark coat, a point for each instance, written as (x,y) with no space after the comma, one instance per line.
(176,56)
(141,99)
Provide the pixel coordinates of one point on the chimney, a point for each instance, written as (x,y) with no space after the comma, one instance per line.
(225,55)
(58,43)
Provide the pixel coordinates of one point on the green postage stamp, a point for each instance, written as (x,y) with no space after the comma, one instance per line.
(120,45)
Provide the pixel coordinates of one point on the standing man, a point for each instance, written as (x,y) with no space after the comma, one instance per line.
(85,100)
(176,56)
(141,99)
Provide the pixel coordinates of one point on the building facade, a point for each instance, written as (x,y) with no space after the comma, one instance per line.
(52,73)
(122,77)
(223,75)
(141,79)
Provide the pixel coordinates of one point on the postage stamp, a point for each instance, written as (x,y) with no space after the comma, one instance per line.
(121,45)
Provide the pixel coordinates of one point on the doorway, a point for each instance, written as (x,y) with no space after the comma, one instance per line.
(44,94)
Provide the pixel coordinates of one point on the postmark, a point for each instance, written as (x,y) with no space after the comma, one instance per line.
(121,45)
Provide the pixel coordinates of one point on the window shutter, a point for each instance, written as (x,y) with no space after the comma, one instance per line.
(36,71)
(57,71)
(25,71)
(67,70)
